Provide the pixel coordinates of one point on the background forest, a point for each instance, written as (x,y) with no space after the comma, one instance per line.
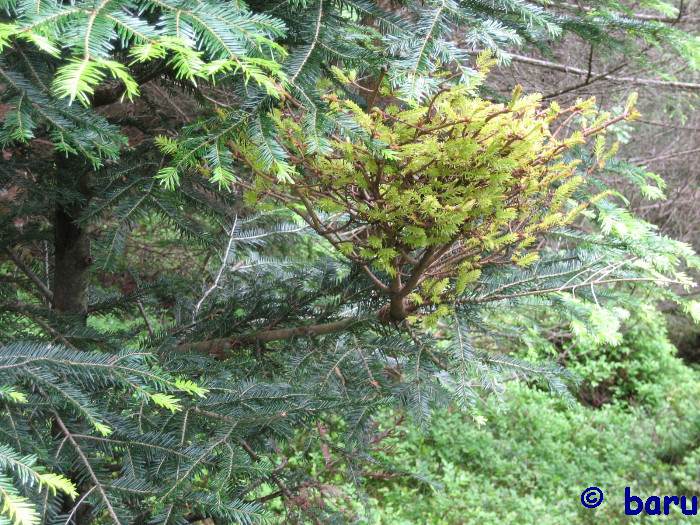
(302,261)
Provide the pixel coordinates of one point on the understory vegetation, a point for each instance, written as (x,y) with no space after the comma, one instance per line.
(533,455)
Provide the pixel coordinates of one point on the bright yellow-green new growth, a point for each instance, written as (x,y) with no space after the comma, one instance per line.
(438,190)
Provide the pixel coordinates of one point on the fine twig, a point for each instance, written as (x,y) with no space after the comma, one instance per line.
(145,318)
(283,488)
(224,260)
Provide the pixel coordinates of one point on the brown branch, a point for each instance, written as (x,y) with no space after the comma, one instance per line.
(668,156)
(106,96)
(145,317)
(668,125)
(592,77)
(87,465)
(370,105)
(418,272)
(374,278)
(266,336)
(487,298)
(283,488)
(29,273)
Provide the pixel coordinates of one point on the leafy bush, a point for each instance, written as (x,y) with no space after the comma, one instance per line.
(642,369)
(531,464)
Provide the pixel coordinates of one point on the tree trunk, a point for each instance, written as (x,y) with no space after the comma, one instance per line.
(72,257)
(71,283)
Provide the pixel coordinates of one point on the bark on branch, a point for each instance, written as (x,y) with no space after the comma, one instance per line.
(600,76)
(29,273)
(266,336)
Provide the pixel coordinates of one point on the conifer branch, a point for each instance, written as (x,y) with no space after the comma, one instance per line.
(283,489)
(222,266)
(29,273)
(144,315)
(267,336)
(88,467)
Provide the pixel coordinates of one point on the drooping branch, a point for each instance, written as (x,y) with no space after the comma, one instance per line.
(492,298)
(27,310)
(29,273)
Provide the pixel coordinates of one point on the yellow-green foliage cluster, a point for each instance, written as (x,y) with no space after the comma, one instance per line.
(441,189)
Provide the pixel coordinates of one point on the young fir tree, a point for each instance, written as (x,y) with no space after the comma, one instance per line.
(422,218)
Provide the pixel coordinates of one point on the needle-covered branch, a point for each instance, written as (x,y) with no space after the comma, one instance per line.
(438,190)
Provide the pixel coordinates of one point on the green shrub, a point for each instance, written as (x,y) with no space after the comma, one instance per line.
(535,455)
(531,463)
(642,369)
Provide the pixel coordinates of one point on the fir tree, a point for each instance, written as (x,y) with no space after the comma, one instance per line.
(260,328)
